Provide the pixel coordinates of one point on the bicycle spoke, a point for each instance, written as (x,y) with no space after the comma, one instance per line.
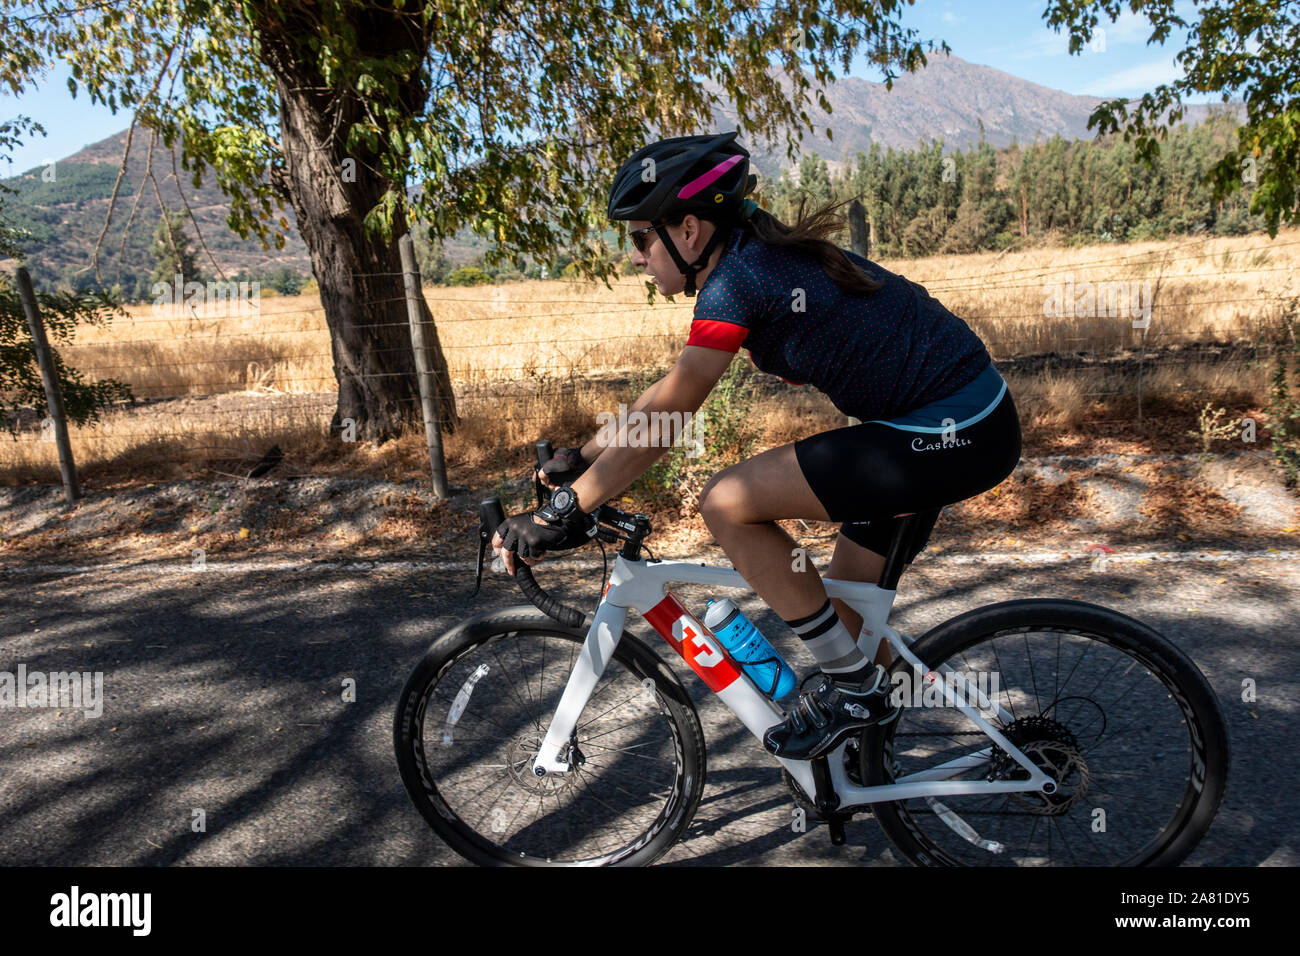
(1056,691)
(628,773)
(1116,735)
(1102,680)
(1032,679)
(998,658)
(510,684)
(612,730)
(488,809)
(1075,667)
(628,751)
(625,700)
(587,789)
(519,652)
(1069,849)
(449,699)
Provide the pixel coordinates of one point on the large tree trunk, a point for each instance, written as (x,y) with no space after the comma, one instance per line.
(331,189)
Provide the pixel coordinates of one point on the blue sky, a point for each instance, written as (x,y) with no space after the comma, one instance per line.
(1013,37)
(1009,35)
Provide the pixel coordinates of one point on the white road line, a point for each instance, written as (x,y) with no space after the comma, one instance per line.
(1024,558)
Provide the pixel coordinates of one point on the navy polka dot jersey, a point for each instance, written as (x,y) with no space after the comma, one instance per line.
(875,357)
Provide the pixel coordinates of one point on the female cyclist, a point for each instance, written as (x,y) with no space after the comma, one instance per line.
(938,423)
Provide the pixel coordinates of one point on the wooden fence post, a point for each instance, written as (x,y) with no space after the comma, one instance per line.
(432,428)
(858,234)
(53,397)
(1142,355)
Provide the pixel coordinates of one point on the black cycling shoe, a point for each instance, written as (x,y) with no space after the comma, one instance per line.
(829,713)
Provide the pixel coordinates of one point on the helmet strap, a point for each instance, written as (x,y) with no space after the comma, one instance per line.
(690,270)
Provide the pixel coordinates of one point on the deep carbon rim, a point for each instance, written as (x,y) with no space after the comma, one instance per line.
(631,786)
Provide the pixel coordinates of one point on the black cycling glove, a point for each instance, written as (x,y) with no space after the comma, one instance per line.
(565,466)
(521,534)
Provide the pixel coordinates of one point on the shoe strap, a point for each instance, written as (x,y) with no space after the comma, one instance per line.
(812,706)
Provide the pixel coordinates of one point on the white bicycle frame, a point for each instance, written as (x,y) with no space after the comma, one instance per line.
(642,586)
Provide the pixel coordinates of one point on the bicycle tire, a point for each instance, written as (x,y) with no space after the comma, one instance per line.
(911,826)
(429,768)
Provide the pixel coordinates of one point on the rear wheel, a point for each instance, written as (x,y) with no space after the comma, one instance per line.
(472,717)
(1123,721)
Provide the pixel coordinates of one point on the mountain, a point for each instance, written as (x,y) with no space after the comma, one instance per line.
(948,99)
(64,206)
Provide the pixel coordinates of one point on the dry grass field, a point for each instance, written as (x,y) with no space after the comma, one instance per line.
(543,358)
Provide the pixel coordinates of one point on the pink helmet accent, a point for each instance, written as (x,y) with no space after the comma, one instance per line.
(695,185)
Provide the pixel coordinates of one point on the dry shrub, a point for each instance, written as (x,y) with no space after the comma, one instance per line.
(1052,399)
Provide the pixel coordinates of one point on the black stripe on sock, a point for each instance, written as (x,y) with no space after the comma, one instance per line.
(801,621)
(821,629)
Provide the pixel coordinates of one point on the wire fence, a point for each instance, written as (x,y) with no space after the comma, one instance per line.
(183,364)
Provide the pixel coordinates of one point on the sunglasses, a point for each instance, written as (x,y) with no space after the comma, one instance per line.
(640,237)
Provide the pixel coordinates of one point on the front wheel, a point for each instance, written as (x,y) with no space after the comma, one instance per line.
(471,719)
(1119,717)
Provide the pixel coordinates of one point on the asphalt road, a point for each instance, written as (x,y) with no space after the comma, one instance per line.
(223,692)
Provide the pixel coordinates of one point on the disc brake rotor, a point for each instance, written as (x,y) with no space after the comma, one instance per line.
(1053,749)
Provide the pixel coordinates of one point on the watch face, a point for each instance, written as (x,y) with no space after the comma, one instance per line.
(561,500)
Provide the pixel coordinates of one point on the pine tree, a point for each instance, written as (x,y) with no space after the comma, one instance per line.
(172,252)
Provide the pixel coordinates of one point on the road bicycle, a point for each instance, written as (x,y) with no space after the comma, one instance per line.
(1033,732)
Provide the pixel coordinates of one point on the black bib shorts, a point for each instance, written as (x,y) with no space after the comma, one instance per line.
(949,450)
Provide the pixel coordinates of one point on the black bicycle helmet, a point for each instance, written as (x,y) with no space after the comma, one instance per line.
(707,176)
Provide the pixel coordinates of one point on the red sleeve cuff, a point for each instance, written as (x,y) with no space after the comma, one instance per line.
(712,334)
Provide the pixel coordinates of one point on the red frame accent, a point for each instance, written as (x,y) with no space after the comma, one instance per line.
(697,645)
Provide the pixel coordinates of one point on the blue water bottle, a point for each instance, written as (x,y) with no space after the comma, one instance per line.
(749,648)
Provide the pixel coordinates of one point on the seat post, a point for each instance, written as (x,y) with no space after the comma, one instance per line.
(894,558)
(913,529)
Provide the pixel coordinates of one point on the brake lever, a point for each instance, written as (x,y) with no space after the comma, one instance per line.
(490,518)
(491,515)
(545,452)
(478,566)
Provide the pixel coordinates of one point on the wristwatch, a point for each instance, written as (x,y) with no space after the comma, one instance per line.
(562,506)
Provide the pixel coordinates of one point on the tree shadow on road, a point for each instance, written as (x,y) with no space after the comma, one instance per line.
(225,693)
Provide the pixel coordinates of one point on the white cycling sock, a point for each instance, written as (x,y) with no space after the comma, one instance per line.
(830,642)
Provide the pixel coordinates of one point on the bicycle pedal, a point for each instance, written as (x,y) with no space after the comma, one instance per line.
(836,824)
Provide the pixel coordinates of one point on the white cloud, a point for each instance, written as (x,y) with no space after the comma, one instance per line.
(1129,28)
(1135,80)
(949,17)
(1041,44)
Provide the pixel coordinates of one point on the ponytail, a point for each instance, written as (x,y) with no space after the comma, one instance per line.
(808,235)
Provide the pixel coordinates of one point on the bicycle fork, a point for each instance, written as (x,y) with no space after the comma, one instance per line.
(597,649)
